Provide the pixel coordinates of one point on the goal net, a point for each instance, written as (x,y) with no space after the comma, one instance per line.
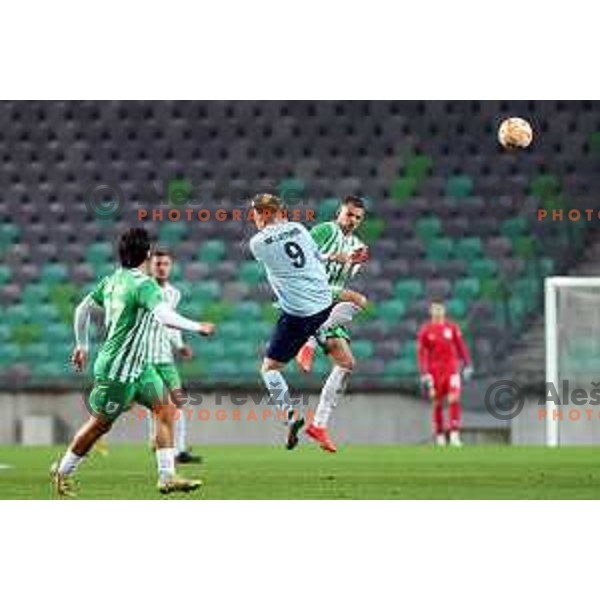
(572,313)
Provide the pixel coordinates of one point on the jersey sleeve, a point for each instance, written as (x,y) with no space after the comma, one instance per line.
(255,247)
(149,295)
(423,351)
(97,294)
(461,346)
(322,233)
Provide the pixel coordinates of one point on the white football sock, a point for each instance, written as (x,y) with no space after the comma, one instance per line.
(69,463)
(180,431)
(165,460)
(279,392)
(341,314)
(332,390)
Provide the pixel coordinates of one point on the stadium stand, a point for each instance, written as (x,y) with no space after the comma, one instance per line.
(449,213)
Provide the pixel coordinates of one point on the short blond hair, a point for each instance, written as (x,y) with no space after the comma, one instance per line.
(267,205)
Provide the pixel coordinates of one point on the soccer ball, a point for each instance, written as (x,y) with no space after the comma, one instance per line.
(515,133)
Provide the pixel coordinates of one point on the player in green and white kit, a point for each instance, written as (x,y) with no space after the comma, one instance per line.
(131,301)
(343,253)
(168,342)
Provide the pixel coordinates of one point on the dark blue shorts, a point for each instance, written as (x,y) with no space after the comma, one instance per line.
(292,332)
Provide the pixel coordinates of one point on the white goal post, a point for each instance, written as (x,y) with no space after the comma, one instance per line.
(572,320)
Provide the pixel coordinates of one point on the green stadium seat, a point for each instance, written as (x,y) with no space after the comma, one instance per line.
(456,308)
(428,228)
(270,313)
(5,274)
(362,349)
(212,251)
(372,229)
(545,187)
(26,333)
(327,209)
(54,273)
(58,333)
(51,370)
(468,248)
(251,273)
(403,188)
(409,289)
(524,247)
(440,249)
(418,167)
(291,189)
(10,353)
(9,234)
(459,186)
(232,329)
(217,311)
(401,368)
(595,142)
(173,232)
(392,311)
(35,293)
(467,289)
(18,313)
(493,289)
(203,291)
(248,310)
(512,228)
(210,349)
(409,350)
(546,266)
(483,268)
(99,253)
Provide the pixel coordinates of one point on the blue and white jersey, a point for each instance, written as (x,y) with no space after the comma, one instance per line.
(294,268)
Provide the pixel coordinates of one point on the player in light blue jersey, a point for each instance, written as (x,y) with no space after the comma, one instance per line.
(296,273)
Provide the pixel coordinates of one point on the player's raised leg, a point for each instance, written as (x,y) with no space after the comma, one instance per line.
(343,364)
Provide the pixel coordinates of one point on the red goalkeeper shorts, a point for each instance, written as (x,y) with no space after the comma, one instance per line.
(445,383)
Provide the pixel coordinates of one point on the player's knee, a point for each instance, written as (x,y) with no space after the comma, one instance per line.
(361,301)
(346,362)
(453,398)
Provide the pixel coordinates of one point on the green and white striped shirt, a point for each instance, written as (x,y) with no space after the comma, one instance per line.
(332,240)
(162,339)
(128,297)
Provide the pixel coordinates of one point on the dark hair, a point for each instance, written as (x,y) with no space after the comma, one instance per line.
(134,247)
(161,251)
(437,300)
(355,201)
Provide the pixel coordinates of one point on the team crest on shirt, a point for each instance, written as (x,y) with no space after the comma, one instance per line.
(448,333)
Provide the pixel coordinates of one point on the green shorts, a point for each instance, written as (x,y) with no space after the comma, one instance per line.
(109,399)
(170,375)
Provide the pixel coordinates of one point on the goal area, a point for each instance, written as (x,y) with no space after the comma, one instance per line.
(572,339)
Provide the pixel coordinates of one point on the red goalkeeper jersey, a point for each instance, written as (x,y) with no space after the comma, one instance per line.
(441,347)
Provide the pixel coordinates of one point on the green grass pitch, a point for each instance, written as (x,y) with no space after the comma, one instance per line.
(355,472)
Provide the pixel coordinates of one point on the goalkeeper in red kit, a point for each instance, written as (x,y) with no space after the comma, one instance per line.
(442,354)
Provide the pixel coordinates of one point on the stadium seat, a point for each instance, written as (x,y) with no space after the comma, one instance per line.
(459,186)
(391,311)
(251,273)
(440,249)
(403,188)
(428,228)
(468,249)
(212,251)
(467,289)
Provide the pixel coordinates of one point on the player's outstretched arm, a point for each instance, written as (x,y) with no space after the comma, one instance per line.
(81,326)
(165,315)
